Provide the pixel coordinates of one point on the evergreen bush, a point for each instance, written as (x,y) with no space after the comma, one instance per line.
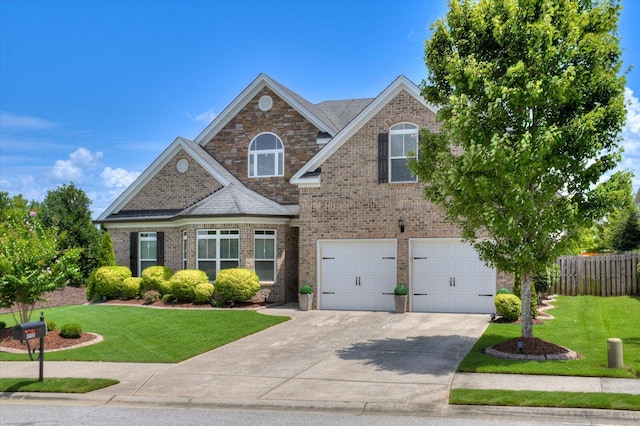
(71,331)
(237,284)
(130,288)
(51,325)
(203,293)
(150,296)
(508,306)
(107,281)
(306,289)
(156,278)
(183,283)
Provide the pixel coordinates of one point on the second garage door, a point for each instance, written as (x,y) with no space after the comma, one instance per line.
(357,274)
(448,276)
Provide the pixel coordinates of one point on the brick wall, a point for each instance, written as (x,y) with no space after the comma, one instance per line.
(352,204)
(286,245)
(170,189)
(231,145)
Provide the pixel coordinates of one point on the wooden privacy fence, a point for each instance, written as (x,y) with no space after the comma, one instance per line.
(602,275)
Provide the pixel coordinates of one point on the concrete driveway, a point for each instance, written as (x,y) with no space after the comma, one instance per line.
(327,356)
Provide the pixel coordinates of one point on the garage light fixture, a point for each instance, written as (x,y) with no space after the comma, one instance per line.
(401,224)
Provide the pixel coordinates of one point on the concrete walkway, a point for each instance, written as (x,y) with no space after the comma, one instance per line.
(334,360)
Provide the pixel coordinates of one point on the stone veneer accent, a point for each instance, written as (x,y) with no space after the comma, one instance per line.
(170,189)
(231,145)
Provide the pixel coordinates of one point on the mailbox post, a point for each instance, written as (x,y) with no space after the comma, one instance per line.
(32,330)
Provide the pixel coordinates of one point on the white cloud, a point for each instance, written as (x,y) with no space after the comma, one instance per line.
(23,122)
(80,161)
(206,116)
(118,178)
(631,137)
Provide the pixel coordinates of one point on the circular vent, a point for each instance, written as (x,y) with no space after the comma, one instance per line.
(265,103)
(183,165)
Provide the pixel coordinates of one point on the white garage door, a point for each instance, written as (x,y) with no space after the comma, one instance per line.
(448,276)
(357,274)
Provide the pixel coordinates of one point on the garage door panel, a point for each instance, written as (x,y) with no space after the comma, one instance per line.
(448,276)
(356,274)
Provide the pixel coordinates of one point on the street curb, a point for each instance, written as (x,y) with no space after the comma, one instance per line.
(541,414)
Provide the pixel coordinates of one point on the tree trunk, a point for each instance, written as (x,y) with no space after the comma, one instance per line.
(525,299)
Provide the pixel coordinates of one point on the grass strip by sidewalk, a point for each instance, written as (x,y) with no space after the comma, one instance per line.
(56,385)
(583,324)
(138,334)
(611,401)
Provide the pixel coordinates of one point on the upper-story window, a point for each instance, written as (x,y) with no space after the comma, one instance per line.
(266,156)
(403,144)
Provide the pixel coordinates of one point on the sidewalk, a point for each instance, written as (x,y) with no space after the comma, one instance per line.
(356,362)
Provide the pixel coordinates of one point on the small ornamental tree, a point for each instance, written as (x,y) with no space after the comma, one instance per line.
(30,262)
(105,255)
(531,102)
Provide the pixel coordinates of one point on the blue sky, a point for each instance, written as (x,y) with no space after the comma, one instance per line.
(91,92)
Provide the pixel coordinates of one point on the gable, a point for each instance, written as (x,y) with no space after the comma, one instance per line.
(163,187)
(307,176)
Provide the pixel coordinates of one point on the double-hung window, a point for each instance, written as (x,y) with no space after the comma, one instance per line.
(266,156)
(217,249)
(265,254)
(403,141)
(148,255)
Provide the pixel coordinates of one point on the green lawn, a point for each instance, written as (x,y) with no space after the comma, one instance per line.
(137,334)
(607,401)
(65,385)
(583,324)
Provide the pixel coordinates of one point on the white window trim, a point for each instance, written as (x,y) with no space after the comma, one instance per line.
(146,236)
(269,234)
(184,249)
(218,235)
(255,153)
(406,157)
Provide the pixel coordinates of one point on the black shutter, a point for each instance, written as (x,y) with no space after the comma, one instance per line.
(383,157)
(160,247)
(133,253)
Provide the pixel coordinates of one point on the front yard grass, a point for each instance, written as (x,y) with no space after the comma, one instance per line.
(607,401)
(137,334)
(583,324)
(65,385)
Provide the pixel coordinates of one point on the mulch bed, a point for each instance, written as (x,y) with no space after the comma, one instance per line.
(52,341)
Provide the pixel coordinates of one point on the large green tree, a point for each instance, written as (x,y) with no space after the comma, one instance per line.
(531,104)
(68,209)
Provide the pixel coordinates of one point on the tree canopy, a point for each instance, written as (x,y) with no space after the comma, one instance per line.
(532,106)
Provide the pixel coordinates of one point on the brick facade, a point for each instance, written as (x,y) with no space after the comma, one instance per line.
(351,204)
(170,189)
(231,145)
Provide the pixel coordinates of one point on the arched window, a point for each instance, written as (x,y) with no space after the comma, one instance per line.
(403,144)
(266,156)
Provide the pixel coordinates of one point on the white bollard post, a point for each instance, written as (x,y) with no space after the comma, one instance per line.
(614,353)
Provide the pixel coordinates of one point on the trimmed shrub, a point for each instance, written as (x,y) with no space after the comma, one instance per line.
(183,283)
(107,281)
(168,298)
(306,289)
(71,331)
(3,325)
(508,306)
(400,290)
(130,288)
(503,291)
(51,325)
(237,284)
(156,278)
(203,293)
(150,297)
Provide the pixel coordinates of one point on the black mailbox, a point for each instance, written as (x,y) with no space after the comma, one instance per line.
(29,330)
